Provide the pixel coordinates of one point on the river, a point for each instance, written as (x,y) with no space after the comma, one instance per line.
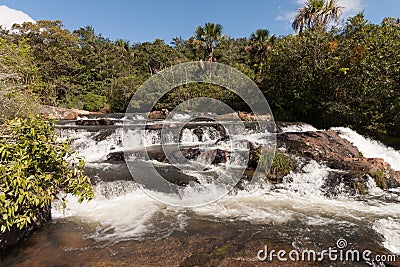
(124,226)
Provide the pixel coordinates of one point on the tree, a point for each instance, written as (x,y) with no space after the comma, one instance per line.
(56,54)
(18,79)
(316,13)
(207,37)
(260,47)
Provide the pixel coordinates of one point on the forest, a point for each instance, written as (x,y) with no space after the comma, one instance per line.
(326,73)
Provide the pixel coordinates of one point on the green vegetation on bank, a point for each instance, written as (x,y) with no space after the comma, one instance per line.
(345,75)
(35,167)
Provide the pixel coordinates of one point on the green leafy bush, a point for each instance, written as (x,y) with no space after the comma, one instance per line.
(94,102)
(34,168)
(280,164)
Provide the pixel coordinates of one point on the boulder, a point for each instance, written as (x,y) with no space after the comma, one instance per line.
(319,145)
(58,113)
(115,156)
(339,154)
(377,168)
(158,114)
(102,121)
(216,156)
(244,116)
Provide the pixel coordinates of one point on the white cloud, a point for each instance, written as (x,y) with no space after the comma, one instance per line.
(9,16)
(351,7)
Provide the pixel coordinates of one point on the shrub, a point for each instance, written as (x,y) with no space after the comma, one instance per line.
(280,164)
(94,102)
(34,168)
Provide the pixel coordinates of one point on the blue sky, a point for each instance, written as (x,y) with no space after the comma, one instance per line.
(139,21)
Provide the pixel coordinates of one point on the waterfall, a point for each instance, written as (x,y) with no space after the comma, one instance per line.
(371,148)
(122,211)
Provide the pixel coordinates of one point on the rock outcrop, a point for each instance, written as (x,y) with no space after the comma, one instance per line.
(158,114)
(339,154)
(58,113)
(95,122)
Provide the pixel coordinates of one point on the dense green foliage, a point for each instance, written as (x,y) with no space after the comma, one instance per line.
(344,76)
(34,168)
(18,78)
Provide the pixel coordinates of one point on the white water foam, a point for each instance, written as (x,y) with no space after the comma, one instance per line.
(181,117)
(390,230)
(370,148)
(128,213)
(141,138)
(92,150)
(298,127)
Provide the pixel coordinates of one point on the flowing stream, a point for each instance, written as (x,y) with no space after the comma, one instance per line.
(123,225)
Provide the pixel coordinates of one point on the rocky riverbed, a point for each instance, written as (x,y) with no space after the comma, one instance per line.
(331,191)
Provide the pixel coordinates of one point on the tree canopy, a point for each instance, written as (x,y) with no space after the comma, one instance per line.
(347,75)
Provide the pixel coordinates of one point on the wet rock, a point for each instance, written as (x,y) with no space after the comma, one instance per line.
(115,156)
(198,131)
(157,126)
(320,146)
(87,122)
(106,121)
(102,134)
(157,153)
(216,156)
(102,121)
(339,182)
(58,113)
(175,176)
(254,155)
(158,114)
(377,168)
(337,153)
(118,171)
(191,153)
(244,116)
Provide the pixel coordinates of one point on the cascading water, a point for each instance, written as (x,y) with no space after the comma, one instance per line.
(371,148)
(298,197)
(121,211)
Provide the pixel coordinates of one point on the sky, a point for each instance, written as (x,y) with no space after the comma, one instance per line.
(140,21)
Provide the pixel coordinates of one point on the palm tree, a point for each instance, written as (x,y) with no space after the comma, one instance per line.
(316,12)
(261,45)
(208,36)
